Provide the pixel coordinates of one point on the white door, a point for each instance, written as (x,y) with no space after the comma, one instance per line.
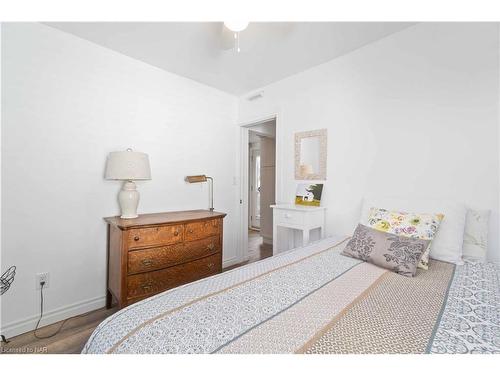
(267,191)
(254,188)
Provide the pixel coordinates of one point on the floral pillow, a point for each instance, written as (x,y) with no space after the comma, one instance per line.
(421,226)
(399,254)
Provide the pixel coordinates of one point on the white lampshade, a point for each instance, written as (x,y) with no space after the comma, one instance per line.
(128,165)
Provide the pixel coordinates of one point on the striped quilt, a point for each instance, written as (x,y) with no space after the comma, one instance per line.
(315,300)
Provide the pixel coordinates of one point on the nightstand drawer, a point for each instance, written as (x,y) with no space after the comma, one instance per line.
(152,236)
(202,229)
(145,284)
(289,217)
(166,256)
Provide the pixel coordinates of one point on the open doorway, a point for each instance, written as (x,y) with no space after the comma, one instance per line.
(261,189)
(254,187)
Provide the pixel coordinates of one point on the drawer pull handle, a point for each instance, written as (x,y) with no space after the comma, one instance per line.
(211,247)
(288,216)
(190,230)
(136,238)
(147,262)
(210,265)
(176,233)
(147,286)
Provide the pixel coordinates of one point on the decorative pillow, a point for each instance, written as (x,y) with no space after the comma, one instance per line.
(422,226)
(396,253)
(476,234)
(447,244)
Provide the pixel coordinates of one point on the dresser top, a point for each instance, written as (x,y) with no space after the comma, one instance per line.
(163,218)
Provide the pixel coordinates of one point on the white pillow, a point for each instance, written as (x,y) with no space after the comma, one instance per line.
(447,245)
(476,234)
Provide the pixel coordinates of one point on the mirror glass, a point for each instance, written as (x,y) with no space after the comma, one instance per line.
(310,155)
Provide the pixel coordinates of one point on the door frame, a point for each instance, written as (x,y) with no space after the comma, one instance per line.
(252,196)
(244,170)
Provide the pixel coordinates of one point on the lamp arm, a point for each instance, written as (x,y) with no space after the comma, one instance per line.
(211,192)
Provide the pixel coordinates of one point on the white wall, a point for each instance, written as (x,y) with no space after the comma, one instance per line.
(414,113)
(66,104)
(1,127)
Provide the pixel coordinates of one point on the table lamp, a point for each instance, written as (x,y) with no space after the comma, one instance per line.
(128,166)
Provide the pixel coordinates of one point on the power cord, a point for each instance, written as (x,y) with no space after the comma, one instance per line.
(42,284)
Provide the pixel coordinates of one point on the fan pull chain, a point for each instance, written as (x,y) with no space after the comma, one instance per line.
(237,41)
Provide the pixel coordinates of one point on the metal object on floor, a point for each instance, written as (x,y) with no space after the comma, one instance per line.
(7,279)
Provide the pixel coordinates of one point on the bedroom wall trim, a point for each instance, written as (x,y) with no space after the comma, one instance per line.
(244,128)
(28,324)
(230,262)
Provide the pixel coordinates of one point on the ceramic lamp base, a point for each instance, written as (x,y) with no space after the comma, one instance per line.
(128,197)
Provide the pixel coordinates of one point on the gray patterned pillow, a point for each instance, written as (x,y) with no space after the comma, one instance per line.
(396,253)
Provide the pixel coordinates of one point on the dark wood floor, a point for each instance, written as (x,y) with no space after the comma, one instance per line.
(71,339)
(76,331)
(257,249)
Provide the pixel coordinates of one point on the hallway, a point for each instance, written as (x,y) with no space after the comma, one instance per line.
(257,249)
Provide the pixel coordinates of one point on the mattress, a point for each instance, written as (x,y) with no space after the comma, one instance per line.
(315,300)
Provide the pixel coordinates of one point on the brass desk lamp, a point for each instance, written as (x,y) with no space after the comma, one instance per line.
(204,178)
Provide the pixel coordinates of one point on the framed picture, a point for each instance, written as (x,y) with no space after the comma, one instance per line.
(309,194)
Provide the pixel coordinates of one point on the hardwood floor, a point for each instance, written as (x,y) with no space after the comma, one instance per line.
(71,339)
(76,331)
(257,249)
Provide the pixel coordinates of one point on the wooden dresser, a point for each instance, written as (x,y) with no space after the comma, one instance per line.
(160,251)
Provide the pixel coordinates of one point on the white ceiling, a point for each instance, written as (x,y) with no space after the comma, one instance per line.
(202,51)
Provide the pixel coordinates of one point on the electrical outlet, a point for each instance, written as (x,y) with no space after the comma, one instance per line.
(42,277)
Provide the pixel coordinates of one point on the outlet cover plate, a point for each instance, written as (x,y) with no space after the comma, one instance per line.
(43,276)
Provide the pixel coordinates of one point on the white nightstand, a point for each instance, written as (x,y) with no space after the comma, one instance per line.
(292,216)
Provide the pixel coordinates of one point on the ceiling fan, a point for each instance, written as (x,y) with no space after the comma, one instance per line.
(235,27)
(236,35)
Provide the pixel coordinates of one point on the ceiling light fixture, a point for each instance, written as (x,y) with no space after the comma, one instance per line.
(236,27)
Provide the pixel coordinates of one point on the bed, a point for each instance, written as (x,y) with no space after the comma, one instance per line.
(315,300)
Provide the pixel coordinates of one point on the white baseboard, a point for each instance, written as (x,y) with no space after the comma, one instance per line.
(230,262)
(28,324)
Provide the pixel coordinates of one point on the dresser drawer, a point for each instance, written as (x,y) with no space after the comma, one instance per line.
(166,256)
(202,229)
(145,284)
(164,235)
